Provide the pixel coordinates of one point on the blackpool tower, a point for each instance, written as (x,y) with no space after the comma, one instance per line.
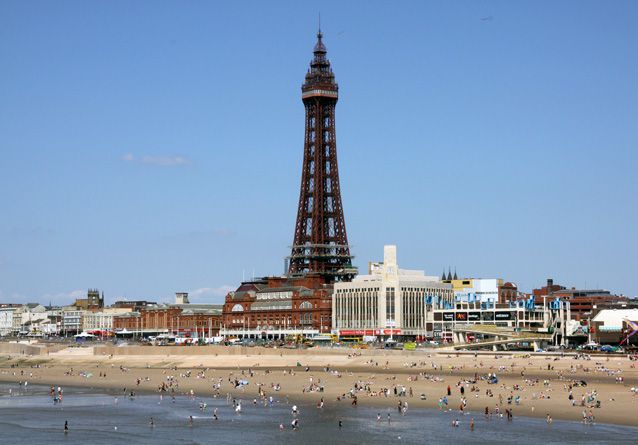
(320,245)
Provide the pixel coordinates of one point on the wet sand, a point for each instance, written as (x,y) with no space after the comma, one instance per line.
(541,390)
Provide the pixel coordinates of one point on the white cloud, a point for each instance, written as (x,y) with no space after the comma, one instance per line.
(161,160)
(209,293)
(164,161)
(62,298)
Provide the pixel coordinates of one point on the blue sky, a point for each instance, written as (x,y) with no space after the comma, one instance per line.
(154,147)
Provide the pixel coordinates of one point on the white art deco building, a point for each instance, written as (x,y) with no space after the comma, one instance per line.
(387,301)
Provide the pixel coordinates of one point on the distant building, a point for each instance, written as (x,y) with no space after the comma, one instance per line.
(102,320)
(72,319)
(408,305)
(388,301)
(181,298)
(54,315)
(133,305)
(92,302)
(187,320)
(481,289)
(274,307)
(547,290)
(582,301)
(6,319)
(609,326)
(25,316)
(508,291)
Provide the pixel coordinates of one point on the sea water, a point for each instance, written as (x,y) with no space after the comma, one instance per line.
(29,416)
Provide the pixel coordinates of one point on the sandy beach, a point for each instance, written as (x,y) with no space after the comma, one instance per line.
(527,385)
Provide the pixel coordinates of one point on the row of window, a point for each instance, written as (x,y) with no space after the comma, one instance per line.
(360,289)
(304,305)
(278,320)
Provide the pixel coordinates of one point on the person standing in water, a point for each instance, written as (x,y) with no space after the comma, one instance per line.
(66,426)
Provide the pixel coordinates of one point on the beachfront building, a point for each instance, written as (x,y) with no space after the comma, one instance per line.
(277,307)
(612,326)
(72,319)
(520,321)
(54,325)
(475,289)
(6,319)
(388,301)
(408,305)
(180,319)
(101,321)
(25,316)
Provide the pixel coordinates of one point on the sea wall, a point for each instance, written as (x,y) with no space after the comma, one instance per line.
(21,349)
(237,350)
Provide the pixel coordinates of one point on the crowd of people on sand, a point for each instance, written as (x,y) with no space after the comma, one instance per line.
(466,394)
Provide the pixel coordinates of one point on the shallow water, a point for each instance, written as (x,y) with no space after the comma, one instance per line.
(28,417)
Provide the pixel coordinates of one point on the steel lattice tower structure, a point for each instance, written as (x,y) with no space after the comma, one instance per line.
(320,245)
